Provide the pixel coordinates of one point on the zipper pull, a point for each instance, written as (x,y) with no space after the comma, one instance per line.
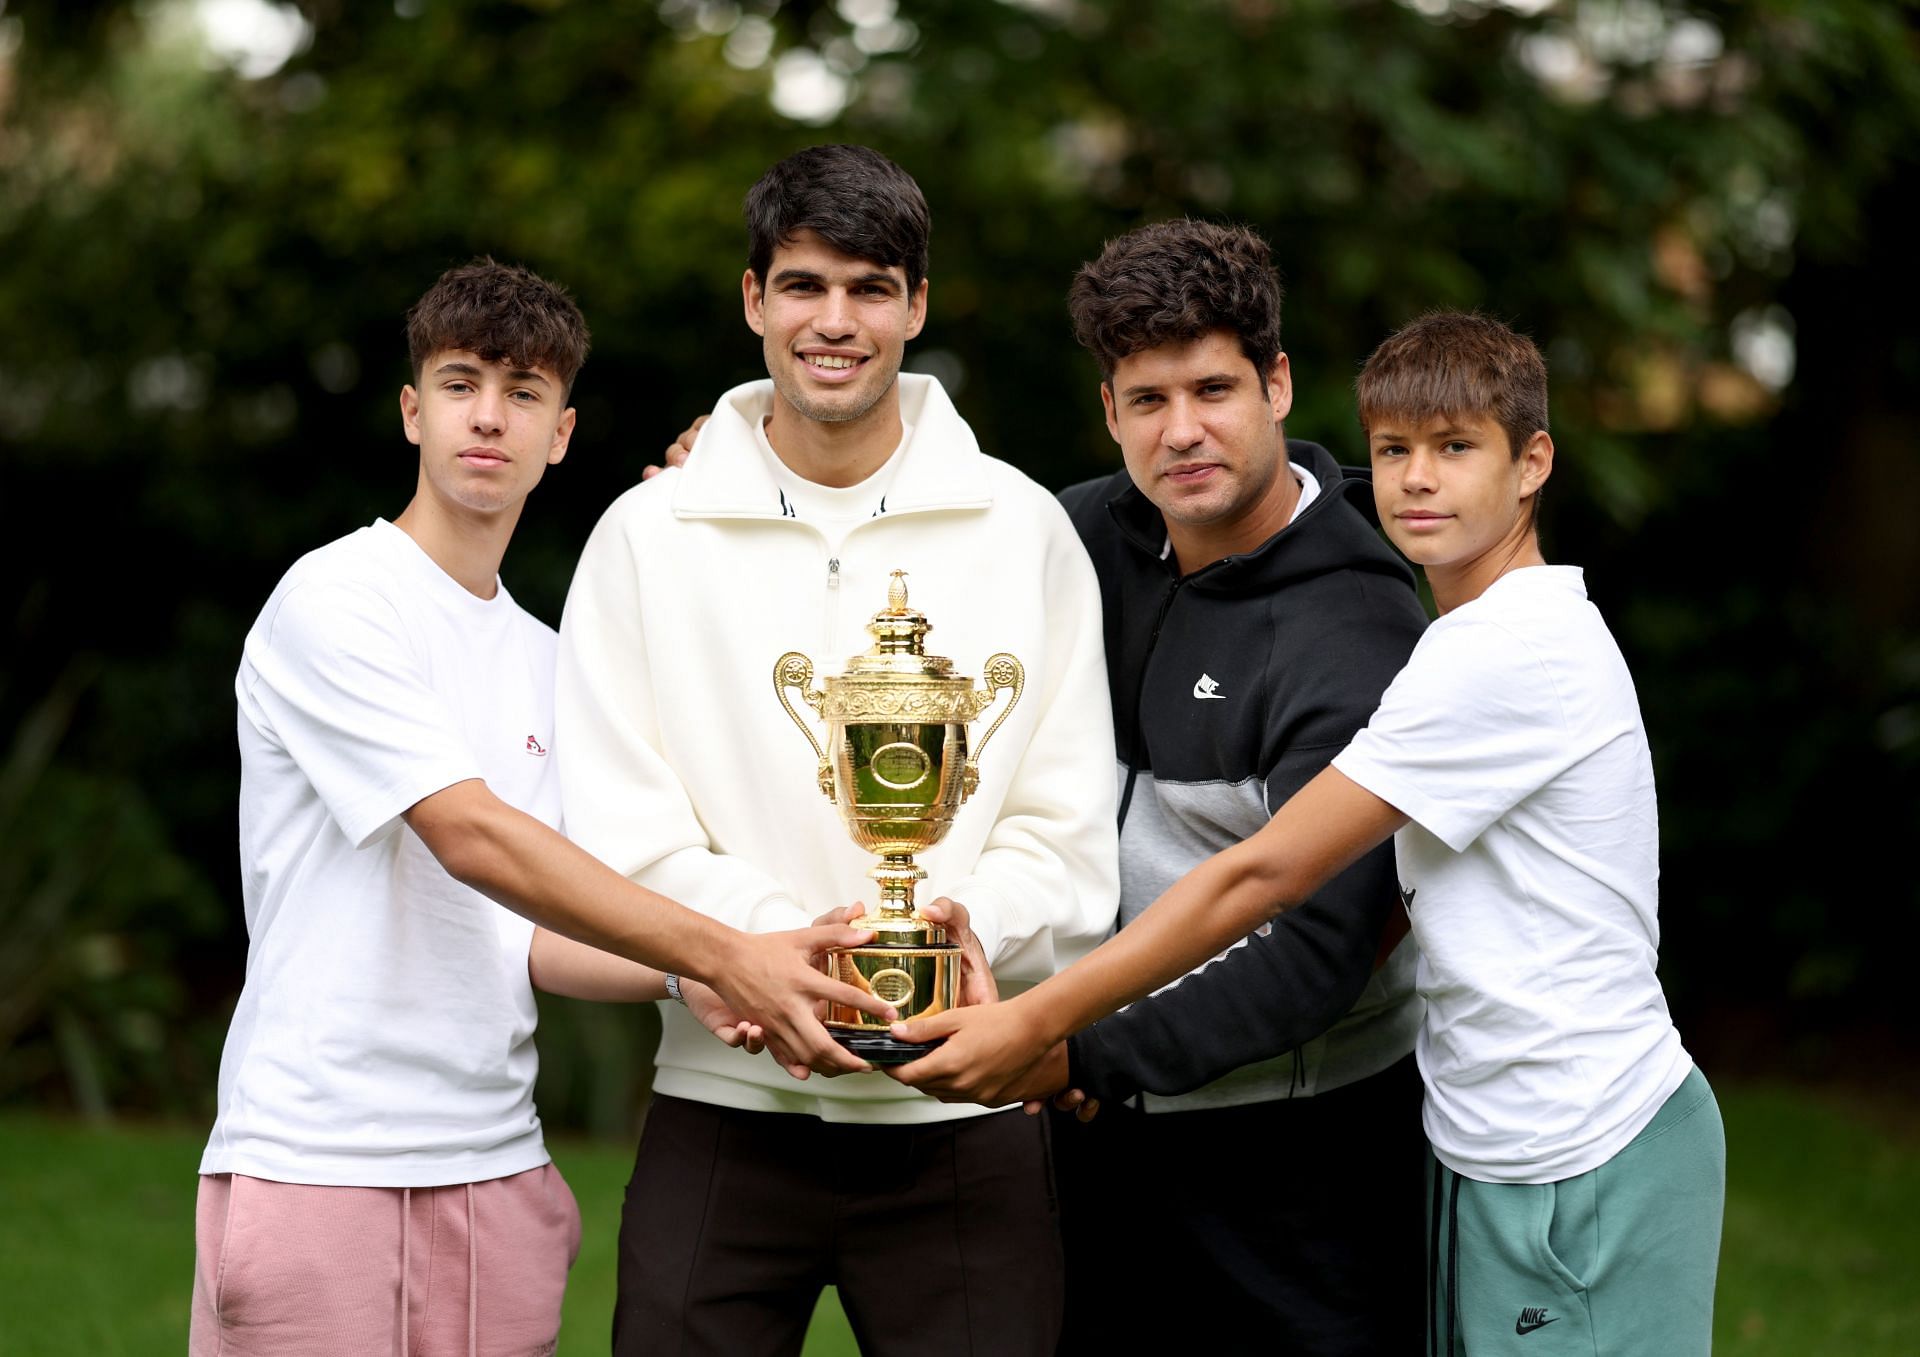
(833,572)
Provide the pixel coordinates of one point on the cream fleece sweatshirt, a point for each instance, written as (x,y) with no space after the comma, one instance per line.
(680,768)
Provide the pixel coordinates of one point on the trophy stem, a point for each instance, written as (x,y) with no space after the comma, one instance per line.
(897,875)
(909,963)
(893,918)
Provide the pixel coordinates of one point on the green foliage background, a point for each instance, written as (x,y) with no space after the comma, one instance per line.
(203,273)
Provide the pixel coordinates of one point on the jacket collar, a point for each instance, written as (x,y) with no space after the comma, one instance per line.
(726,477)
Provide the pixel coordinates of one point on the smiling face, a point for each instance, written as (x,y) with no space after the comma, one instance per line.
(834,328)
(1200,431)
(1455,499)
(486,431)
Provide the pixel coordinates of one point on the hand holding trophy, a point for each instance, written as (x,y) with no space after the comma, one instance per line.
(896,764)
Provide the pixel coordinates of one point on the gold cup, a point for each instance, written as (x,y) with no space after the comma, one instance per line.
(897,765)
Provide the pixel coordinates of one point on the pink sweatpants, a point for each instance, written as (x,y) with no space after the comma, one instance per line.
(293,1270)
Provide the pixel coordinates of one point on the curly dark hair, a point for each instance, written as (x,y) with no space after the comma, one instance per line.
(1454,363)
(505,314)
(1175,282)
(852,197)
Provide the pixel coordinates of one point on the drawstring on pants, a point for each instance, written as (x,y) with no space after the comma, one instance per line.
(406,1274)
(406,1271)
(473,1280)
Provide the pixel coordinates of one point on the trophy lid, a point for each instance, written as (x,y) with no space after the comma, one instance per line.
(899,639)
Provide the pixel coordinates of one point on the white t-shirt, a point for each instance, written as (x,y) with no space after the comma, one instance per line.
(1513,741)
(834,510)
(384,1036)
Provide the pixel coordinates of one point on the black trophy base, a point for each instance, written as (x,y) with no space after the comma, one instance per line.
(882,1048)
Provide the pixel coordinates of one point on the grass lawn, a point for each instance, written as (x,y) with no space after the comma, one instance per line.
(96,1236)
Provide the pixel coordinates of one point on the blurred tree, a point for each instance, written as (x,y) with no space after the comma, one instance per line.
(213,213)
(94,904)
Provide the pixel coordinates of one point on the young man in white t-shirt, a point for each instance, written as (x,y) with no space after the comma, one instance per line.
(376,1173)
(1579,1173)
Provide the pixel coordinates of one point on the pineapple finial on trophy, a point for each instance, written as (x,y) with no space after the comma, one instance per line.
(899,630)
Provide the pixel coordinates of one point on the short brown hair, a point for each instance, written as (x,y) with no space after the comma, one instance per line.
(1175,282)
(1454,363)
(505,314)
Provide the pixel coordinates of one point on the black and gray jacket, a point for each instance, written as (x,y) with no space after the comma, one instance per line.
(1232,687)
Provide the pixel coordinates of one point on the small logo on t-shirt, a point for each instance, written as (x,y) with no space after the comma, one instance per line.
(535,748)
(1531,1319)
(1207,686)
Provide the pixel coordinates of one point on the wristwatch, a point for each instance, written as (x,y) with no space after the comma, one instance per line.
(673,989)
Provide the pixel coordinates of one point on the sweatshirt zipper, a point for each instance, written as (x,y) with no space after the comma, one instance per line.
(1140,693)
(833,573)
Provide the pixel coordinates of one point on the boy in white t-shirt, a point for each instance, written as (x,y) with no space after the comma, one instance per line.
(1579,1160)
(376,1174)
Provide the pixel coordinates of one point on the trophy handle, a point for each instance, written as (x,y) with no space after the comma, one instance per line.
(1002,672)
(794,670)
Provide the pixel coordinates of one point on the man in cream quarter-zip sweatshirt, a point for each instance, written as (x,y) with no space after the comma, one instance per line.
(683,771)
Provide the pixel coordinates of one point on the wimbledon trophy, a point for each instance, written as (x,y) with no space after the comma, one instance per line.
(897,766)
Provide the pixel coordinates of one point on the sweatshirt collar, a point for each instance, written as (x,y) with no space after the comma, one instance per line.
(941,465)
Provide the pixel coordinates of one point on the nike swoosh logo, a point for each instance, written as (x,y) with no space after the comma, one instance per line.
(1523,1328)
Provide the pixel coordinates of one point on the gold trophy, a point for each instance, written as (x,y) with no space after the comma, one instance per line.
(896,764)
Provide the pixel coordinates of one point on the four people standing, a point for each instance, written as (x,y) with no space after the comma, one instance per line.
(1288,1194)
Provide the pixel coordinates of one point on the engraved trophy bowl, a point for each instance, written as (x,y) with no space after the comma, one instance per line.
(897,765)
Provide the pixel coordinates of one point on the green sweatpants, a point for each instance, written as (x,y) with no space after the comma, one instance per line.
(1617,1262)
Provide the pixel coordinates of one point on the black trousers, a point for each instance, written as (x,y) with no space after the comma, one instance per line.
(943,1238)
(1282,1228)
